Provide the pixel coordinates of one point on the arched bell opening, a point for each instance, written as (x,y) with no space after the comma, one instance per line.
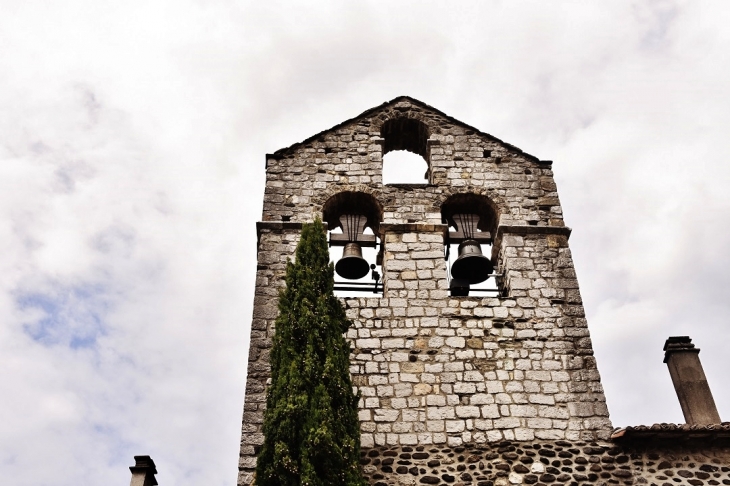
(405,151)
(472,221)
(353,219)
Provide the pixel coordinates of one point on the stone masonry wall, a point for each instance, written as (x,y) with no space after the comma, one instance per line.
(570,463)
(275,245)
(461,159)
(437,371)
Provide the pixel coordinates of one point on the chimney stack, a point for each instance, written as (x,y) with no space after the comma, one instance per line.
(690,382)
(143,471)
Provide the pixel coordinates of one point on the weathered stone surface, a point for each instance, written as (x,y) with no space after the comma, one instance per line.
(440,373)
(560,462)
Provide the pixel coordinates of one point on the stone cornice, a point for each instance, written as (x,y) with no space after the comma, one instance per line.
(533,230)
(413,228)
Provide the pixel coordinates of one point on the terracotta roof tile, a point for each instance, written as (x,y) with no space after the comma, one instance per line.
(659,431)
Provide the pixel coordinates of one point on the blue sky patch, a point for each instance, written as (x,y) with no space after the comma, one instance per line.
(69,316)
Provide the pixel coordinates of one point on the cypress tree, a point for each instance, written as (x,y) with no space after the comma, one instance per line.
(311,428)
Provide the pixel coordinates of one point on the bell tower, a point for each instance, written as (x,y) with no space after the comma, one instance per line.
(469,339)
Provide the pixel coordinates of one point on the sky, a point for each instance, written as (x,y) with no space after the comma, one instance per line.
(132,144)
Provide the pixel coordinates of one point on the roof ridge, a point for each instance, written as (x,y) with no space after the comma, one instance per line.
(283,151)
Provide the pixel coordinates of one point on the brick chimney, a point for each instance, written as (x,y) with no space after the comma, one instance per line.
(143,471)
(690,382)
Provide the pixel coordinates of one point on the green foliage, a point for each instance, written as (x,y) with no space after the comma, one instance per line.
(311,429)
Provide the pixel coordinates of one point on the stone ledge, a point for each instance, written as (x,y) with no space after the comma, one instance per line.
(672,432)
(280,227)
(413,228)
(523,230)
(410,186)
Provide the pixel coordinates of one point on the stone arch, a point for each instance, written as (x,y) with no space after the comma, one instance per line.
(320,198)
(472,203)
(404,133)
(405,149)
(352,202)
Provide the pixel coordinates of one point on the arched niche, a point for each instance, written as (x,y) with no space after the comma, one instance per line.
(353,220)
(473,222)
(405,134)
(405,151)
(469,203)
(352,202)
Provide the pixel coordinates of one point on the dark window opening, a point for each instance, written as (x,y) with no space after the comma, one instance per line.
(405,134)
(371,283)
(353,219)
(487,288)
(472,221)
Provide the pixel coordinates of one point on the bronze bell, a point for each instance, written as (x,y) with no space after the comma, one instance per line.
(352,265)
(471,265)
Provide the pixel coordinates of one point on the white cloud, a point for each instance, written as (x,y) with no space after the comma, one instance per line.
(132,141)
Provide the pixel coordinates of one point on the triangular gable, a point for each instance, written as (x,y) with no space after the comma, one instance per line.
(369,112)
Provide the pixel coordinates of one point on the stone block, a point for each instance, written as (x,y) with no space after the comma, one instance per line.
(580,409)
(512,240)
(506,423)
(398,403)
(436,400)
(368,343)
(454,366)
(367,441)
(403,389)
(456,342)
(520,264)
(385,415)
(399,265)
(522,411)
(539,423)
(435,425)
(372,402)
(538,375)
(541,399)
(473,376)
(495,387)
(483,312)
(465,388)
(453,426)
(466,411)
(422,255)
(409,377)
(440,413)
(391,343)
(518,283)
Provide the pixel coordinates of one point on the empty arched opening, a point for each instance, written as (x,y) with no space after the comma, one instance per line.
(352,202)
(405,151)
(472,221)
(353,220)
(469,203)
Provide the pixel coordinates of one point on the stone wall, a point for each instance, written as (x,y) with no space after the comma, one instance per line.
(435,371)
(559,462)
(461,159)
